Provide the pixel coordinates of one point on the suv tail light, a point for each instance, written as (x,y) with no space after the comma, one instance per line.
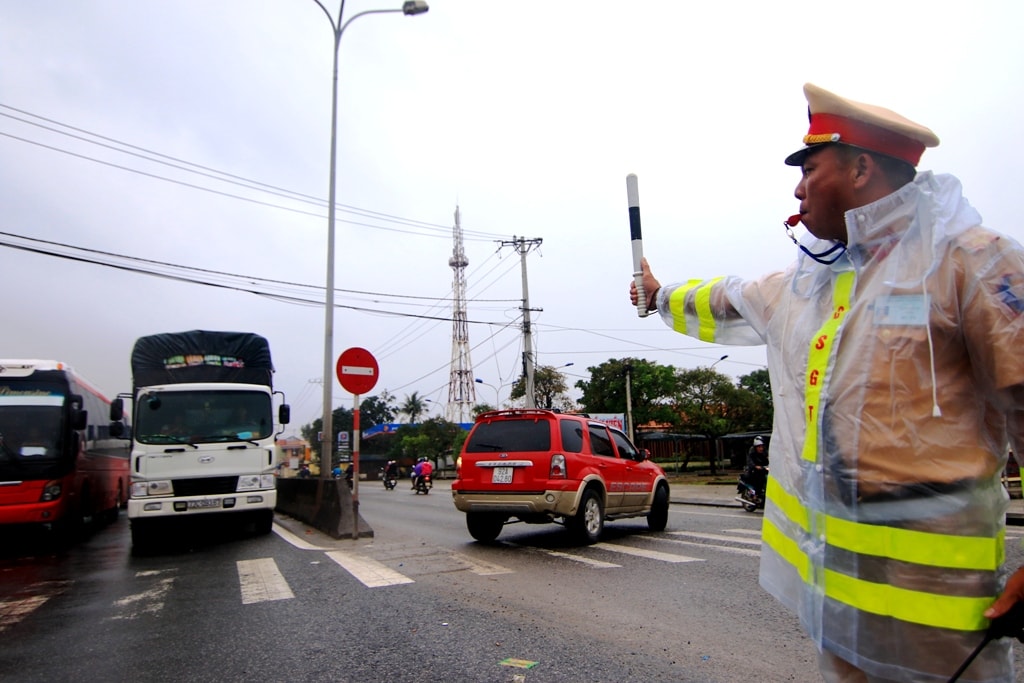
(557,467)
(458,467)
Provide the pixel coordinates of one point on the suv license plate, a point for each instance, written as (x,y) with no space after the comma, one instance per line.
(501,475)
(204,503)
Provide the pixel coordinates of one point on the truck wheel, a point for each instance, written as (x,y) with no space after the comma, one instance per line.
(657,518)
(264,523)
(142,537)
(484,526)
(588,523)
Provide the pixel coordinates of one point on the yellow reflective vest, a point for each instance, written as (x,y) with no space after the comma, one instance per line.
(895,375)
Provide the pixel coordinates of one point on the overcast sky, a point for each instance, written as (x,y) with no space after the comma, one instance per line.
(196,133)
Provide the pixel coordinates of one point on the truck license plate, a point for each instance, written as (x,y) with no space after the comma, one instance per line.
(204,503)
(501,475)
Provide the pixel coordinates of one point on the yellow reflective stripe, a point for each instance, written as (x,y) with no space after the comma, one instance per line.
(787,548)
(974,553)
(916,607)
(919,547)
(817,361)
(702,303)
(788,504)
(677,305)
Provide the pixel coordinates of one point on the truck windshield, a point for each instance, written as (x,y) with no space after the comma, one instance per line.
(163,417)
(30,421)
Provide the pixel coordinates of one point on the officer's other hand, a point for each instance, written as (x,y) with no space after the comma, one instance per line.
(1014,592)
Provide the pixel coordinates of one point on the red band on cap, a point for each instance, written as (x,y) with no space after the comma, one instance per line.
(868,136)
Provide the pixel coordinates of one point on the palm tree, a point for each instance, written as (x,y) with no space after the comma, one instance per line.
(413,406)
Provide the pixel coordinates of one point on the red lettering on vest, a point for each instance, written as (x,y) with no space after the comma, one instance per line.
(813,380)
(810,413)
(820,344)
(839,312)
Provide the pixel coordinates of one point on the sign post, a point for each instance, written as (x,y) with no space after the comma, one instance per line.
(357,372)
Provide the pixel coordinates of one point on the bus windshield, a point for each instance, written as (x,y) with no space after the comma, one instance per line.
(166,417)
(30,421)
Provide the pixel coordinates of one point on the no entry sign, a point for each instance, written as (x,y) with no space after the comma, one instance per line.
(357,370)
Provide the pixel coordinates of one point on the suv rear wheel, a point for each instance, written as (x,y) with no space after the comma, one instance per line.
(588,522)
(484,526)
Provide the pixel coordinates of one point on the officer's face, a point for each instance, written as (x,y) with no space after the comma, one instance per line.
(825,192)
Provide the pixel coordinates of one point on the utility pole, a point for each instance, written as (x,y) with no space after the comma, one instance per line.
(523,245)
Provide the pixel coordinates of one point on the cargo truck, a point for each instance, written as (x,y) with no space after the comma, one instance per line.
(202,437)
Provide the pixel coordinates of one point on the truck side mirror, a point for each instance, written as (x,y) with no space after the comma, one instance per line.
(284,414)
(117,429)
(116,410)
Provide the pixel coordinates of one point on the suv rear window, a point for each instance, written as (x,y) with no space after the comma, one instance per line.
(510,436)
(572,436)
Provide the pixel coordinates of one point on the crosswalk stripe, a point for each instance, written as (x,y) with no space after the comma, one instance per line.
(597,564)
(24,602)
(480,567)
(261,581)
(649,554)
(749,552)
(745,532)
(371,573)
(716,537)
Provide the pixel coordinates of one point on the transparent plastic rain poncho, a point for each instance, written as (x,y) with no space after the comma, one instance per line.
(894,409)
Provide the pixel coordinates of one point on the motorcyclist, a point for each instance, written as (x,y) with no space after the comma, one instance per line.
(422,472)
(756,471)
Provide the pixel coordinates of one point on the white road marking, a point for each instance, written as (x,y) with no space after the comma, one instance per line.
(480,567)
(371,573)
(688,512)
(745,532)
(596,564)
(14,609)
(649,554)
(293,539)
(716,537)
(261,581)
(723,548)
(150,601)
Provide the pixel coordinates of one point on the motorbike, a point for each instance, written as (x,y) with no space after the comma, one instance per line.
(389,480)
(751,490)
(423,484)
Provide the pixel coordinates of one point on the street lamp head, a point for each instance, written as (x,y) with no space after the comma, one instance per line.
(411,7)
(478,380)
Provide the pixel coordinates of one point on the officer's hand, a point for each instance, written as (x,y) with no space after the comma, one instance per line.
(1014,592)
(651,286)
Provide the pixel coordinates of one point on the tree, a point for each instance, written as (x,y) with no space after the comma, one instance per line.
(550,392)
(652,390)
(376,410)
(434,438)
(703,401)
(761,406)
(373,411)
(413,406)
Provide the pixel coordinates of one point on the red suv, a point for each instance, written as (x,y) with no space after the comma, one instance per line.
(540,466)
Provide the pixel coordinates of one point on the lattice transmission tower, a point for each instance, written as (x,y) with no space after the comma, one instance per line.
(461,387)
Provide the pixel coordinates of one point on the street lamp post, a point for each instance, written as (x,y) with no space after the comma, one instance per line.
(718,361)
(497,396)
(410,7)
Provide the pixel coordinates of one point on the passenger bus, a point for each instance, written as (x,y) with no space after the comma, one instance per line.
(59,465)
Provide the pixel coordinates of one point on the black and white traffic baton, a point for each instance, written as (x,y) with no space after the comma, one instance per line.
(633,196)
(1009,625)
